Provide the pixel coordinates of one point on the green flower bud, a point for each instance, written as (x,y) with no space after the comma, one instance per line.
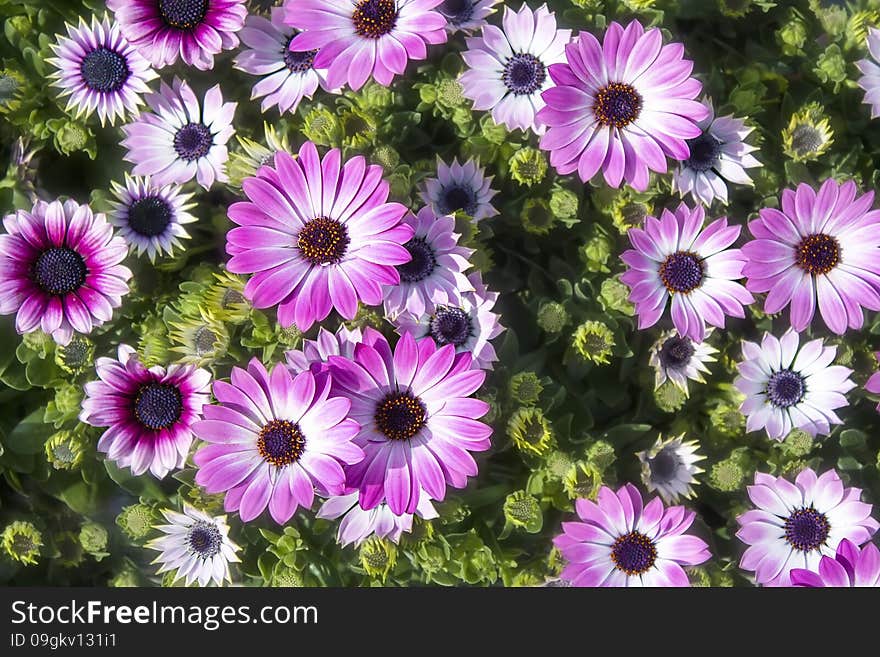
(734,8)
(523,510)
(615,296)
(552,317)
(596,251)
(493,132)
(525,388)
(536,216)
(669,397)
(794,468)
(808,135)
(490,396)
(727,476)
(528,166)
(374,96)
(583,479)
(386,157)
(71,136)
(594,341)
(797,443)
(38,342)
(93,538)
(358,128)
(400,185)
(126,578)
(526,579)
(22,541)
(557,465)
(563,203)
(153,346)
(792,36)
(244,162)
(727,420)
(321,126)
(65,406)
(225,298)
(421,533)
(856,29)
(76,356)
(200,339)
(136,521)
(530,431)
(698,577)
(601,454)
(286,578)
(70,552)
(831,65)
(450,93)
(474,560)
(378,556)
(65,449)
(366,317)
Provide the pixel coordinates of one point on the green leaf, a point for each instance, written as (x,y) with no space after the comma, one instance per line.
(144,486)
(29,436)
(852,439)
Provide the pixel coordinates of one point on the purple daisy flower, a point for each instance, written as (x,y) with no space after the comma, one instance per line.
(151,217)
(622,106)
(621,543)
(675,257)
(820,249)
(850,567)
(317,235)
(469,324)
(418,424)
(794,524)
(358,524)
(275,439)
(466,15)
(508,68)
(460,187)
(870,80)
(435,274)
(181,139)
(287,76)
(194,30)
(316,352)
(98,70)
(356,39)
(789,388)
(149,412)
(873,383)
(59,269)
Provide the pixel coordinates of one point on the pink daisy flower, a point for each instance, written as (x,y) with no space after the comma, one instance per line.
(850,567)
(317,351)
(358,524)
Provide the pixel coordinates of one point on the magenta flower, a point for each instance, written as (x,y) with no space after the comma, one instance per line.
(286,76)
(620,543)
(59,269)
(794,524)
(508,68)
(275,439)
(676,258)
(181,139)
(99,71)
(820,249)
(317,235)
(194,30)
(149,412)
(435,273)
(358,524)
(316,352)
(873,383)
(356,39)
(418,424)
(622,106)
(850,567)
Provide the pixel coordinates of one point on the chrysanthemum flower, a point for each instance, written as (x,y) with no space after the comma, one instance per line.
(718,156)
(469,324)
(59,269)
(194,30)
(508,68)
(850,567)
(196,546)
(418,424)
(99,71)
(435,274)
(466,15)
(181,139)
(622,106)
(677,359)
(790,388)
(460,187)
(275,439)
(317,351)
(286,76)
(149,412)
(358,524)
(621,543)
(822,249)
(150,217)
(675,257)
(795,524)
(870,80)
(356,39)
(669,468)
(317,235)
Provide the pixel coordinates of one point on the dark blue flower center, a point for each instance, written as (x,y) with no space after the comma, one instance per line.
(617,105)
(298,62)
(281,443)
(158,405)
(204,539)
(806,529)
(457,11)
(457,197)
(323,241)
(400,415)
(806,139)
(681,272)
(664,465)
(451,325)
(374,18)
(705,152)
(193,141)
(183,14)
(785,388)
(676,352)
(59,270)
(524,74)
(104,70)
(150,216)
(818,253)
(423,262)
(634,553)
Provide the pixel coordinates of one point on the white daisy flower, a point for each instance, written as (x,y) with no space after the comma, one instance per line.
(677,359)
(668,467)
